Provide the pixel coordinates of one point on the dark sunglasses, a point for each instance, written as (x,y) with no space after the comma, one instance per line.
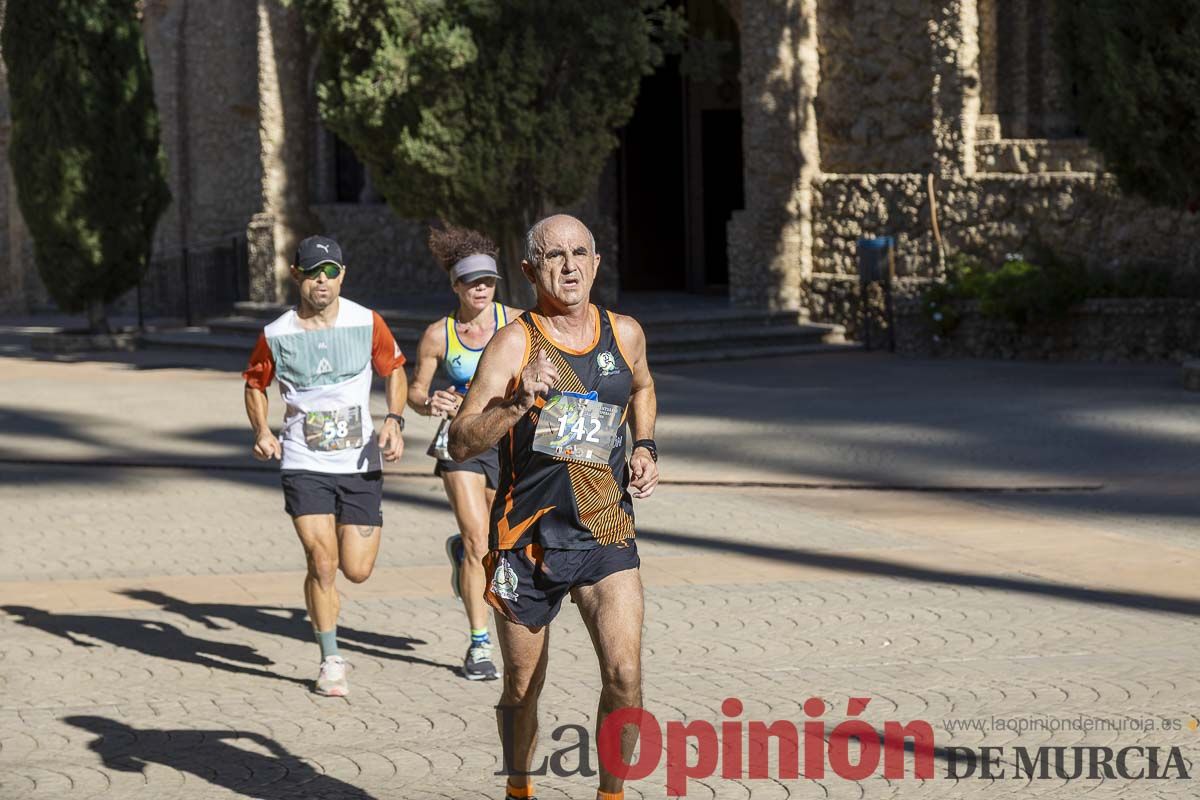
(331,271)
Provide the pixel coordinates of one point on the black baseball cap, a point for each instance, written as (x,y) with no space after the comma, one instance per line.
(317,250)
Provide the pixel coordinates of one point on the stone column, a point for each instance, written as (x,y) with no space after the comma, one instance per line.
(261,257)
(283,91)
(770,242)
(955,43)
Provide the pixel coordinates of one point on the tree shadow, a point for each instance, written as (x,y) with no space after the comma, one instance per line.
(151,638)
(1142,601)
(214,756)
(287,622)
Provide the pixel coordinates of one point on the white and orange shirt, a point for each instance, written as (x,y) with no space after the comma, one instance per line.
(325,382)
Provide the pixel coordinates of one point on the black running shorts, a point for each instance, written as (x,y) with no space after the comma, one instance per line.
(528,585)
(353,499)
(486,464)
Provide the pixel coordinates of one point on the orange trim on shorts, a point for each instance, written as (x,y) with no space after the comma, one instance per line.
(603,795)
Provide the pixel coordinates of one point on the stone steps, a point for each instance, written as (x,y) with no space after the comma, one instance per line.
(674,335)
(1032,156)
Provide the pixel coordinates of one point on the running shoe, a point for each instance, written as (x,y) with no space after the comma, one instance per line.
(478,666)
(331,681)
(455,551)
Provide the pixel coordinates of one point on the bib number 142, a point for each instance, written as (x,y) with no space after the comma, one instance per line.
(584,430)
(577,429)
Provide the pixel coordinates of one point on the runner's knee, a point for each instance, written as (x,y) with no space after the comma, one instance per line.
(623,679)
(357,573)
(522,689)
(475,545)
(323,566)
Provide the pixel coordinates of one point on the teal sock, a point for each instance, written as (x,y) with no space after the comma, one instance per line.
(480,636)
(328,642)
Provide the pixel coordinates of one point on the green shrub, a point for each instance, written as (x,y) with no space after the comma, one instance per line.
(1018,290)
(1022,292)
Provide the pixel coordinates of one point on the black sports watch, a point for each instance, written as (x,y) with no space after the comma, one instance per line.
(399,420)
(649,445)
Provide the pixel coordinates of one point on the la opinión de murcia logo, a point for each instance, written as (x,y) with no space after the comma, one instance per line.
(741,749)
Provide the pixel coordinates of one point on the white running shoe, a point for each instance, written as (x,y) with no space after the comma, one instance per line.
(331,682)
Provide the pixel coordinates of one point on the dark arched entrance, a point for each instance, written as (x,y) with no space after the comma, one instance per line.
(680,168)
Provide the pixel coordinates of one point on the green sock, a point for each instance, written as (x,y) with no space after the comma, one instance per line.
(328,642)
(480,636)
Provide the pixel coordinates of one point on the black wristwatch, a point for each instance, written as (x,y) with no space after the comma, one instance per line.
(399,419)
(649,445)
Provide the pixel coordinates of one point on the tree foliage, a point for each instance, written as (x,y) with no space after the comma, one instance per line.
(85,150)
(484,112)
(1136,66)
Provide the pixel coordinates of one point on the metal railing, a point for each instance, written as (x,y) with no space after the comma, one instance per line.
(198,280)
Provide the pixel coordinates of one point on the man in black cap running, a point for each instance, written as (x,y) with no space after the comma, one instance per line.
(323,353)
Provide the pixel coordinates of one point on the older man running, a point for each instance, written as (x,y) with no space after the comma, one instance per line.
(556,390)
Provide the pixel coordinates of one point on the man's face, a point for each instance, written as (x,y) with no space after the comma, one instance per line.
(317,289)
(567,268)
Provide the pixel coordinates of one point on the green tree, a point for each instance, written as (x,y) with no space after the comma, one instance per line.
(1136,67)
(486,113)
(85,151)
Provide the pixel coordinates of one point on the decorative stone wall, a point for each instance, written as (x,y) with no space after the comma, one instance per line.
(873,102)
(1096,330)
(386,256)
(1072,217)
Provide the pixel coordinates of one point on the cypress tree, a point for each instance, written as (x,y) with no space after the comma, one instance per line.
(85,150)
(1136,69)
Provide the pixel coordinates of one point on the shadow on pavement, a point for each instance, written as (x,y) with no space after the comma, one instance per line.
(860,565)
(216,756)
(150,638)
(287,622)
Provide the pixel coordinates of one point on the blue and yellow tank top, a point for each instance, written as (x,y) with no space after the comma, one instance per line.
(460,361)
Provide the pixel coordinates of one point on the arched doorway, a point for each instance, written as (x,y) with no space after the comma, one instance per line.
(680,167)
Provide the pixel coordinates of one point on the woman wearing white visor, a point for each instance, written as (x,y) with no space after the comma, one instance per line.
(452,346)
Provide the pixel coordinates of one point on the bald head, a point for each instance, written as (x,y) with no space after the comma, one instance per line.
(561,262)
(536,238)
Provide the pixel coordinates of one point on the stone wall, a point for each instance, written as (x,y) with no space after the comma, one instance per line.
(386,256)
(874,100)
(1096,330)
(1069,216)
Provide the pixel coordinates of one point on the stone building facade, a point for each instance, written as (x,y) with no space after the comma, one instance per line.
(857,117)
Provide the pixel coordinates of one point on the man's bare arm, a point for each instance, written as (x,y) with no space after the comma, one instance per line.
(643,407)
(396,390)
(643,402)
(256,410)
(487,413)
(266,444)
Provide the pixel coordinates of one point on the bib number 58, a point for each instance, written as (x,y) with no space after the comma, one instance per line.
(336,430)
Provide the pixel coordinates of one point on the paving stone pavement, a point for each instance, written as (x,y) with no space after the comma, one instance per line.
(155,645)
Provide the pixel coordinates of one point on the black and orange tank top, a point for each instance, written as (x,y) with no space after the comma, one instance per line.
(556,497)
